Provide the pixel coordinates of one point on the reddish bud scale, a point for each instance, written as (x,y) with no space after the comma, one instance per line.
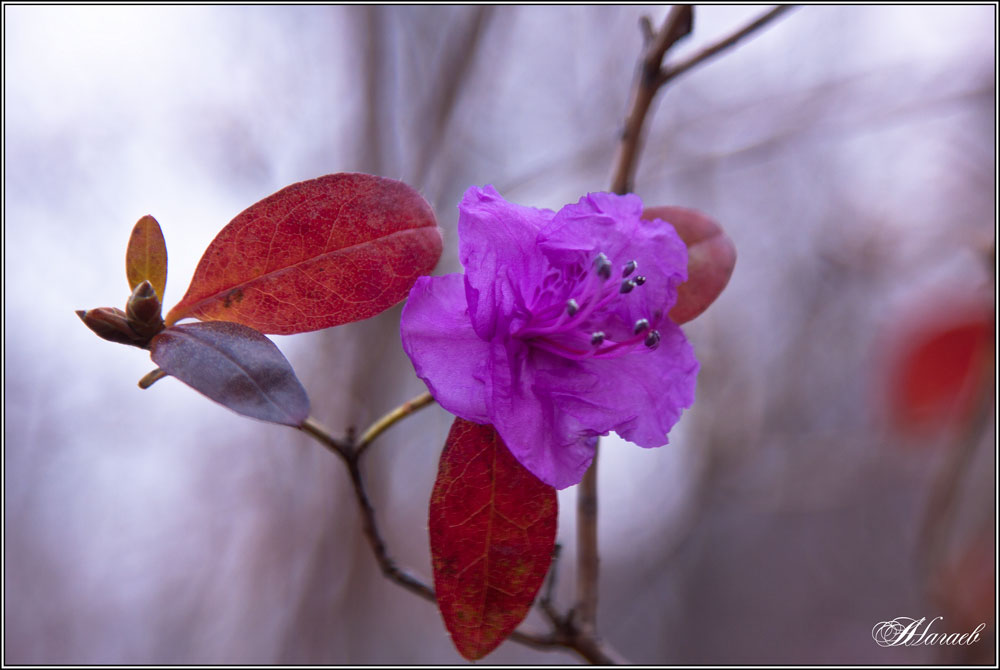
(492,530)
(110,323)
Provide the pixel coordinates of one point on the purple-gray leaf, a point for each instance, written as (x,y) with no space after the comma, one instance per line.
(235,366)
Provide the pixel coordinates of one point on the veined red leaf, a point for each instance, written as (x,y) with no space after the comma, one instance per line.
(316,254)
(235,366)
(492,529)
(711,259)
(146,256)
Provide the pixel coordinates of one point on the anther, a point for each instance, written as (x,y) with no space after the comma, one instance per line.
(603,266)
(572,307)
(653,339)
(629,268)
(597,338)
(627,286)
(640,325)
(639,280)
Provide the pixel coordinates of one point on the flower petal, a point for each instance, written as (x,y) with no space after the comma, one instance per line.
(611,224)
(497,247)
(446,353)
(546,441)
(640,395)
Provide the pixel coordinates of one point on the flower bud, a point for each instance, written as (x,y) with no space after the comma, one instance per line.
(143,310)
(111,324)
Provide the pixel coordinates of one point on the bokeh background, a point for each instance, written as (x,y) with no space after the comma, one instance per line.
(849,152)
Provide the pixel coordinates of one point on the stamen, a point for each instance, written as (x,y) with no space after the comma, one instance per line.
(603,266)
(572,307)
(627,286)
(653,339)
(640,325)
(597,338)
(639,280)
(629,268)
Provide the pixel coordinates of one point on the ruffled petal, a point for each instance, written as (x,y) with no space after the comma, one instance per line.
(612,225)
(498,248)
(549,443)
(446,352)
(599,222)
(640,395)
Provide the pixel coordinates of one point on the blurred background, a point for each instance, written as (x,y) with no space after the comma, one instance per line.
(808,495)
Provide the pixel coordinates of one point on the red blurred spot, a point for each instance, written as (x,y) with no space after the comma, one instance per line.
(942,371)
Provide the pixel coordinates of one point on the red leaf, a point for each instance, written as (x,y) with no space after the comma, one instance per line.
(316,254)
(233,365)
(711,259)
(146,256)
(493,528)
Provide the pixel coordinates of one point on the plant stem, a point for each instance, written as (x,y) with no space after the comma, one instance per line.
(151,378)
(679,22)
(565,634)
(318,432)
(391,418)
(370,528)
(720,46)
(588,559)
(653,75)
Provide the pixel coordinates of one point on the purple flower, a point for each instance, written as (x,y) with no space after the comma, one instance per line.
(558,330)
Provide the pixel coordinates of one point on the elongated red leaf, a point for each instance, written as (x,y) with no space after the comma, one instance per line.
(493,528)
(711,259)
(316,254)
(235,366)
(146,256)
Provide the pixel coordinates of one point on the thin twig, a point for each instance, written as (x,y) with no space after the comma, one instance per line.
(720,46)
(564,635)
(317,431)
(151,378)
(653,75)
(587,557)
(678,23)
(547,599)
(369,526)
(391,418)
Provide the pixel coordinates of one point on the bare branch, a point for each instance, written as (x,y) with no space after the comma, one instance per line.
(720,46)
(653,76)
(587,557)
(678,23)
(565,634)
(383,424)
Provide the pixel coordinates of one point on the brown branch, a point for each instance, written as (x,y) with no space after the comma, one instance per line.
(679,22)
(587,558)
(369,526)
(720,46)
(565,634)
(652,76)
